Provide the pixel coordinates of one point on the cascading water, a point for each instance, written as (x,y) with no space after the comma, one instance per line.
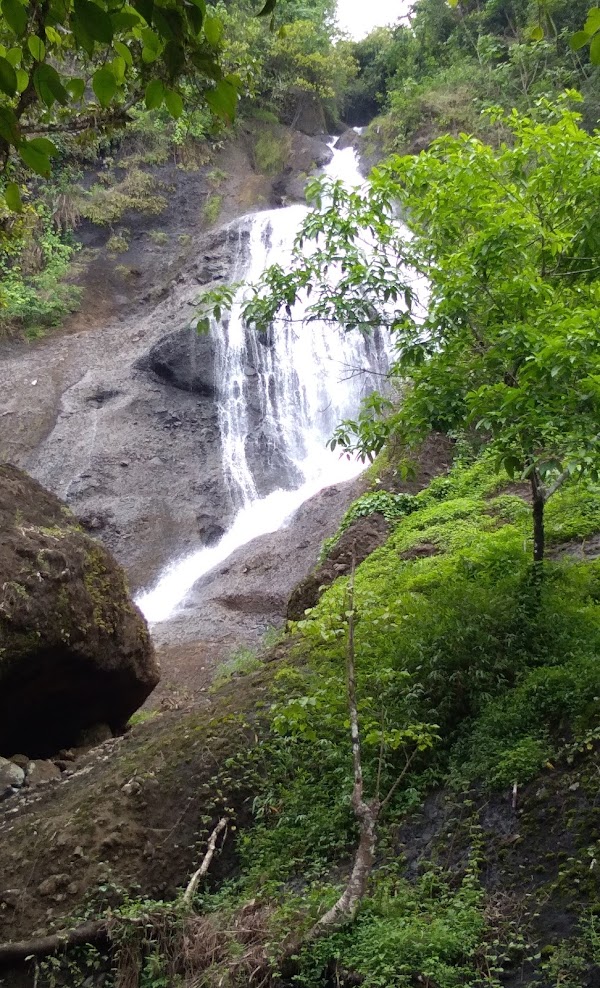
(281,396)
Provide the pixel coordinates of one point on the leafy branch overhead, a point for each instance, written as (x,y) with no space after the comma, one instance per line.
(76,64)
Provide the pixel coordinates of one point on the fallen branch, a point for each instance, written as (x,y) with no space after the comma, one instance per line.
(94,932)
(188,895)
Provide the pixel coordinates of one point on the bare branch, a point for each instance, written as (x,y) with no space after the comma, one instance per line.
(188,895)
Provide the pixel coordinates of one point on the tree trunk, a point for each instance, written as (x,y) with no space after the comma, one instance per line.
(346,906)
(539,501)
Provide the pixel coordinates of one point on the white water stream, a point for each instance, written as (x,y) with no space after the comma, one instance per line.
(303,378)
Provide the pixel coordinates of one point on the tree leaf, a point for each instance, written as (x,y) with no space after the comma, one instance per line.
(592,23)
(145,8)
(122,50)
(174,103)
(155,94)
(48,85)
(12,194)
(595,50)
(14,56)
(213,30)
(15,15)
(104,85)
(22,80)
(53,36)
(537,33)
(35,159)
(223,100)
(95,21)
(578,40)
(8,77)
(44,145)
(36,47)
(268,8)
(9,126)
(76,87)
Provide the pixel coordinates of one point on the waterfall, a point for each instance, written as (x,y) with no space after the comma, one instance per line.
(281,395)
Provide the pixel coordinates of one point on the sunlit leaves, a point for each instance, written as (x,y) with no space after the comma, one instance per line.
(36,47)
(12,195)
(155,92)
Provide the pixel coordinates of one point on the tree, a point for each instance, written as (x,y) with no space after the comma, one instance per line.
(75,64)
(492,295)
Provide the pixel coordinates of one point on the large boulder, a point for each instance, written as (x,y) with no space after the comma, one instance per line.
(74,649)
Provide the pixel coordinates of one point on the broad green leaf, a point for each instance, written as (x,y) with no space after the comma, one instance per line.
(213,30)
(76,87)
(9,126)
(12,194)
(174,104)
(104,85)
(223,100)
(125,19)
(36,160)
(14,56)
(174,57)
(537,33)
(595,50)
(36,47)
(8,77)
(53,36)
(592,23)
(48,85)
(44,145)
(118,67)
(578,40)
(16,16)
(195,17)
(268,8)
(155,93)
(167,22)
(149,55)
(22,80)
(95,21)
(453,3)
(203,326)
(122,50)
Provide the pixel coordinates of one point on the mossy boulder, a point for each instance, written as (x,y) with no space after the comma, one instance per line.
(74,649)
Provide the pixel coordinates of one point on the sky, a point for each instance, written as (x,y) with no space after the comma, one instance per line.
(358,17)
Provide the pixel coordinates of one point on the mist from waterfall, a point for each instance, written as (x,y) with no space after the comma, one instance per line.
(297,382)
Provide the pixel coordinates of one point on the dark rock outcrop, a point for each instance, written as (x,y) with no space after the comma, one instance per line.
(74,649)
(360,539)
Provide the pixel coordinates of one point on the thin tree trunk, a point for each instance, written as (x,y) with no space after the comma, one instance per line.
(346,906)
(539,502)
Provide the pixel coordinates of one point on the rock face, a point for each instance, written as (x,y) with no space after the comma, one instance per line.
(74,649)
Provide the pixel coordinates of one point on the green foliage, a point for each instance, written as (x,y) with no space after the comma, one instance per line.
(243,661)
(391,506)
(87,57)
(137,191)
(34,260)
(429,927)
(271,149)
(212,208)
(508,243)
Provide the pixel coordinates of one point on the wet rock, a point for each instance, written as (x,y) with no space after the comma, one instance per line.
(40,772)
(185,360)
(74,649)
(21,760)
(11,777)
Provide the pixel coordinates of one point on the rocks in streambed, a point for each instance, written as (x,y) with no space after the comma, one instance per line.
(74,650)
